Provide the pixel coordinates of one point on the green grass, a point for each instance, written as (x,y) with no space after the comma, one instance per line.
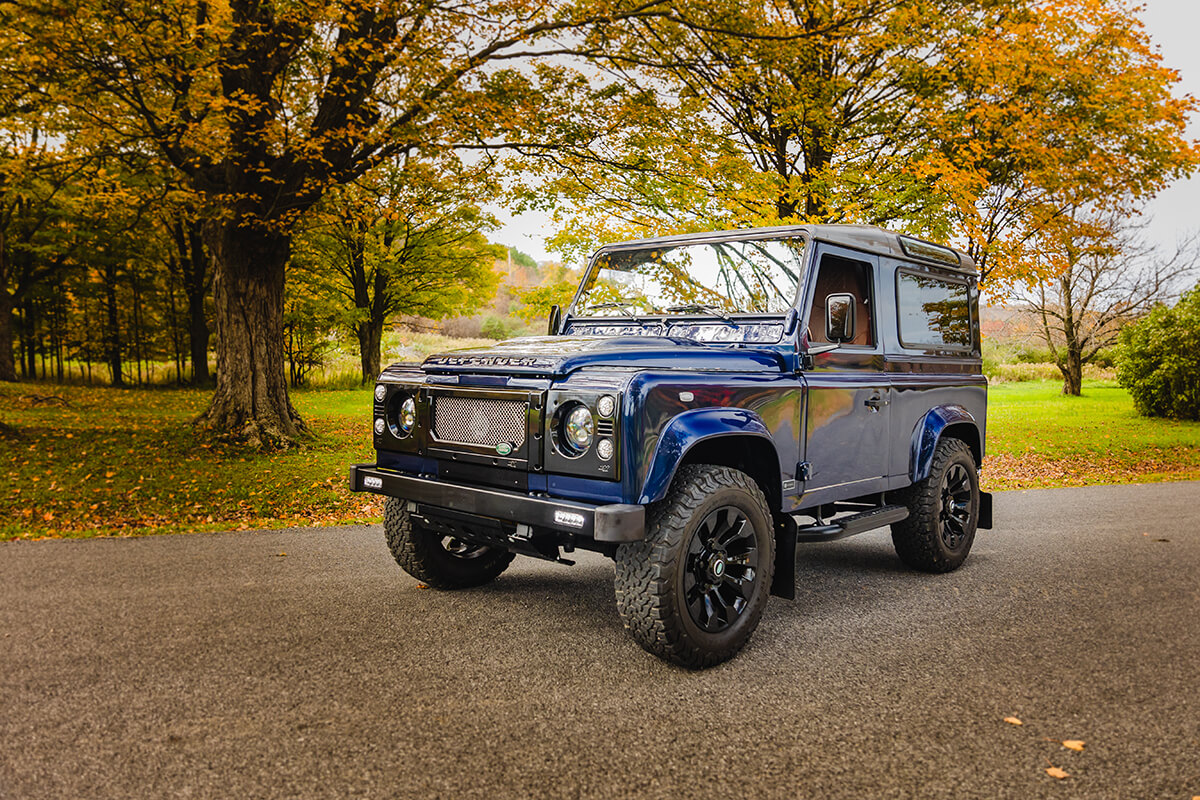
(125,462)
(119,461)
(1037,437)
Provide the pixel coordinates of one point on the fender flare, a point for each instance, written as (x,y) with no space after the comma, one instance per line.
(928,433)
(687,430)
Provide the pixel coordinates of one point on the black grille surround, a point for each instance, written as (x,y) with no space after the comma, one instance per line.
(488,427)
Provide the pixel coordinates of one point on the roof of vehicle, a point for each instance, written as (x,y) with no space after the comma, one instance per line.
(869,238)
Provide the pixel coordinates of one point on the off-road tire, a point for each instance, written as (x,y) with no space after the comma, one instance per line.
(651,574)
(921,539)
(423,554)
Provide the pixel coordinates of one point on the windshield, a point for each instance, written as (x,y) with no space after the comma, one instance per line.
(747,277)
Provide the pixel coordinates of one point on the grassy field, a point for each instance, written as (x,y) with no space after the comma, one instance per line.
(97,461)
(1039,438)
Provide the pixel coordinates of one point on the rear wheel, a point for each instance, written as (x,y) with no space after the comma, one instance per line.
(693,592)
(943,511)
(442,562)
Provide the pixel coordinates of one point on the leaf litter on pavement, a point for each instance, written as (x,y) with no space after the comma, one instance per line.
(1075,745)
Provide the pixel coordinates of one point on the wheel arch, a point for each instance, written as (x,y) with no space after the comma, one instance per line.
(721,436)
(950,420)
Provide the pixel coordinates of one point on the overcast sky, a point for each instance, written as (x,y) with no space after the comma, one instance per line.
(1173,26)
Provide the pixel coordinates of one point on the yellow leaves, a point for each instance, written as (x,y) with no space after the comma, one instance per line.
(1054,771)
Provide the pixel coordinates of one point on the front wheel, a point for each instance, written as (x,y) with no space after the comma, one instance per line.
(943,511)
(693,591)
(442,562)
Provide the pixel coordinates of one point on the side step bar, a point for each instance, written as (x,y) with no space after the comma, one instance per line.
(848,526)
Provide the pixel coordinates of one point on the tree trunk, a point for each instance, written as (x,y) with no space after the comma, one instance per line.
(28,342)
(195,281)
(190,246)
(251,403)
(370,337)
(113,334)
(370,340)
(1072,372)
(198,340)
(8,367)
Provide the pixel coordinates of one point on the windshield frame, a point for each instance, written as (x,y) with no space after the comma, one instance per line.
(772,234)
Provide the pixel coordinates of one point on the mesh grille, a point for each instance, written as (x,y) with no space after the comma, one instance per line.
(477,420)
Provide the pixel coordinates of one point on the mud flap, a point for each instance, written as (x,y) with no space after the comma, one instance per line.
(784,583)
(985,511)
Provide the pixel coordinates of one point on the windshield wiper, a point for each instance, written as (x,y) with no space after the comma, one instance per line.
(706,308)
(622,307)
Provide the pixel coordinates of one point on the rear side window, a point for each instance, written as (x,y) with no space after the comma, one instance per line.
(933,311)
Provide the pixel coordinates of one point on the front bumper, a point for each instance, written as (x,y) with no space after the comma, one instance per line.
(616,522)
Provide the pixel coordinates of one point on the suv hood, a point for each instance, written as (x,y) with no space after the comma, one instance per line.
(559,355)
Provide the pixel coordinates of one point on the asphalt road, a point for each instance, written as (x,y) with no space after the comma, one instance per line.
(218,666)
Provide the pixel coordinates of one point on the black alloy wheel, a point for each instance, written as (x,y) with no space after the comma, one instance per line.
(943,511)
(722,569)
(694,590)
(954,518)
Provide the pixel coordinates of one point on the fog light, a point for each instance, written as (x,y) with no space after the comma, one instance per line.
(380,425)
(380,393)
(604,449)
(606,406)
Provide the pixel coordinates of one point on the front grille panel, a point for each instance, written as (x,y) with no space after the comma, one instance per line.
(479,420)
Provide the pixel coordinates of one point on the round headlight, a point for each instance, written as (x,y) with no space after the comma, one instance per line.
(606,406)
(379,425)
(578,429)
(380,393)
(408,415)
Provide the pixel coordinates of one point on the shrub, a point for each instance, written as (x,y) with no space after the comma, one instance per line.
(498,328)
(1159,360)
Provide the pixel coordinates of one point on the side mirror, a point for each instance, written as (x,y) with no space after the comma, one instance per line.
(554,320)
(839,317)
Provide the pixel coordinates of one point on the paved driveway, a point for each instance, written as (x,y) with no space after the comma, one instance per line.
(218,666)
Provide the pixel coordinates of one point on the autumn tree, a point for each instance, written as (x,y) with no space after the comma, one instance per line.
(972,122)
(1064,105)
(262,107)
(35,203)
(405,239)
(732,114)
(1103,278)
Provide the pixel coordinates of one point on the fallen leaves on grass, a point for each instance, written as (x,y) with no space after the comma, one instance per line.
(1031,470)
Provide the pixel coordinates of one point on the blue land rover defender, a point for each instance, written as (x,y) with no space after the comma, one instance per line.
(704,403)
